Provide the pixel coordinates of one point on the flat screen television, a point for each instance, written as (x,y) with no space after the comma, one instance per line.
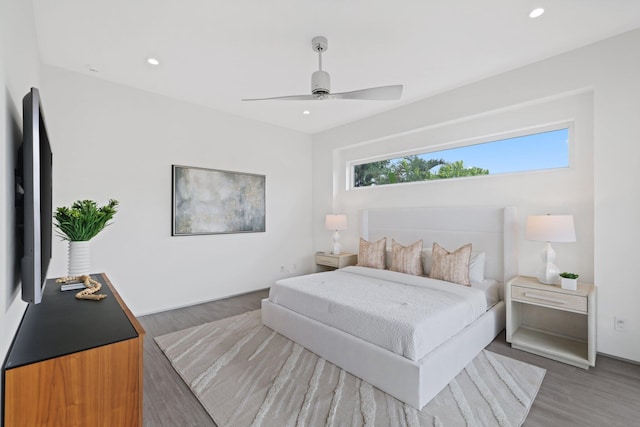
(35,166)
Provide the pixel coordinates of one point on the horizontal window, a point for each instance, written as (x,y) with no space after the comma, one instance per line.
(543,150)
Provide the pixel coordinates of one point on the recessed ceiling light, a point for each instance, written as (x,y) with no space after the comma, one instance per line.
(153,61)
(538,11)
(306,112)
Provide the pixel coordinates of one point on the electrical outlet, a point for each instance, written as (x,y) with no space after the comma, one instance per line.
(619,324)
(284,270)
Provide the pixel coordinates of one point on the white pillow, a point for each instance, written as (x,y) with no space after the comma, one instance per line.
(427,260)
(476,266)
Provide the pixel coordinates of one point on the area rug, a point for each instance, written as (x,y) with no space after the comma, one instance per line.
(245,374)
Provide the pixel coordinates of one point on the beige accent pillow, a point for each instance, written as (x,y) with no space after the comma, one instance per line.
(407,259)
(451,266)
(371,254)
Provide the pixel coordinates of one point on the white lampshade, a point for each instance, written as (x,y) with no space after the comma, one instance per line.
(336,222)
(550,228)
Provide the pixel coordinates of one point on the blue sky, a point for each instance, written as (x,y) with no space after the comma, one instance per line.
(545,150)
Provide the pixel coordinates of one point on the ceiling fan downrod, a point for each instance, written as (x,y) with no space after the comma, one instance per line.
(320,80)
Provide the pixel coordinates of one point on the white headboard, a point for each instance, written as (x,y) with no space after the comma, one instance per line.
(489,229)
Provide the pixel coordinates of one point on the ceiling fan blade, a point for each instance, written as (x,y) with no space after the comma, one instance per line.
(288,98)
(382,93)
(320,84)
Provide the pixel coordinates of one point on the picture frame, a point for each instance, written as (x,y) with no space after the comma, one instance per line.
(214,201)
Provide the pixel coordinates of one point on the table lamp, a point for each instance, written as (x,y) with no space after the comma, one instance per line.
(336,222)
(550,228)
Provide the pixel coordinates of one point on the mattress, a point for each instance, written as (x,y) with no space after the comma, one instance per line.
(491,290)
(408,315)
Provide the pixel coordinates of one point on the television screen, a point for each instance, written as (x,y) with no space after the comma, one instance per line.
(37,198)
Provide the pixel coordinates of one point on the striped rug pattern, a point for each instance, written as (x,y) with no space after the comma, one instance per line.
(245,374)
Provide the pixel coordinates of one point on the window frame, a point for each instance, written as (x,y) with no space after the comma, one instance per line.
(494,137)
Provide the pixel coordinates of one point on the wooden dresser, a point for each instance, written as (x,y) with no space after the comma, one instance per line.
(75,363)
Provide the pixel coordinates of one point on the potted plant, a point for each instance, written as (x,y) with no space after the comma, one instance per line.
(79,224)
(569,281)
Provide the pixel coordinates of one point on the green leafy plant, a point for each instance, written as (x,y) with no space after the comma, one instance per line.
(569,275)
(83,220)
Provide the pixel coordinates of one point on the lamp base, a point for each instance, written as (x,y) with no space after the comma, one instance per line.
(548,272)
(337,247)
(549,276)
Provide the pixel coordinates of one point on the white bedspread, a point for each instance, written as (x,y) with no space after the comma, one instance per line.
(408,315)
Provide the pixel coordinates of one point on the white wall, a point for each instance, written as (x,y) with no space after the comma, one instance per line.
(112,141)
(572,187)
(19,66)
(599,83)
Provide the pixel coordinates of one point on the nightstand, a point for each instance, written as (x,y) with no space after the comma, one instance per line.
(329,261)
(552,322)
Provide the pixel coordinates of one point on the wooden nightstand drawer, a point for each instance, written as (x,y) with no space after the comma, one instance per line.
(329,261)
(549,298)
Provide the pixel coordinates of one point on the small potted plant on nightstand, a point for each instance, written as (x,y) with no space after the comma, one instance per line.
(569,281)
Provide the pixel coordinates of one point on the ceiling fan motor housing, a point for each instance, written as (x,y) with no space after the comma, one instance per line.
(320,83)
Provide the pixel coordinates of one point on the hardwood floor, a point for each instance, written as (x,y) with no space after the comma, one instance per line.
(607,395)
(168,401)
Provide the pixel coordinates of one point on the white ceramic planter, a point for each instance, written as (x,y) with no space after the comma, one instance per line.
(569,284)
(79,258)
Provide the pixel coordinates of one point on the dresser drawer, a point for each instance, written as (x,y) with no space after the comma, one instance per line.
(329,261)
(549,298)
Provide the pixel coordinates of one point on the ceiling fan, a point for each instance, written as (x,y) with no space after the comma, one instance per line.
(320,83)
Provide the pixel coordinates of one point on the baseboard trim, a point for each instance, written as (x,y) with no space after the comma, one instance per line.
(147,313)
(622,359)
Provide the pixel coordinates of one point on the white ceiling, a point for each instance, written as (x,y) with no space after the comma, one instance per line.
(214,53)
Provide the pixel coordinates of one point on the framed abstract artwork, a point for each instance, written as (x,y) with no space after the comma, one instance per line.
(211,201)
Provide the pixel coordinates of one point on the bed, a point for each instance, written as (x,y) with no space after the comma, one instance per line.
(414,369)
